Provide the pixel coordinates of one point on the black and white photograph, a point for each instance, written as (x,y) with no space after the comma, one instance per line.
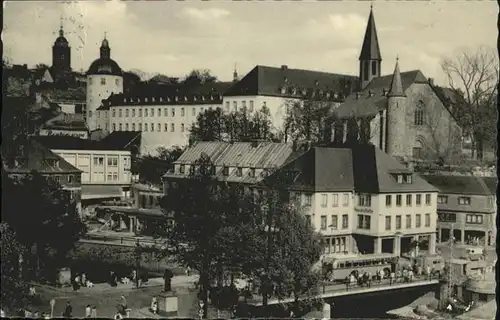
(249,159)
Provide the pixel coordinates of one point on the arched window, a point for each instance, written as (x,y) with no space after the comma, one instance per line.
(417,151)
(374,68)
(419,114)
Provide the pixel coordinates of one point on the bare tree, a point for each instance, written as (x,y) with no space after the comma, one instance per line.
(473,76)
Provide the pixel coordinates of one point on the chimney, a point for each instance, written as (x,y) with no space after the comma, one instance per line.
(284,67)
(431,81)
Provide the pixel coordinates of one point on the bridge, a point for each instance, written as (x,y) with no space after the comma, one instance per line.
(331,290)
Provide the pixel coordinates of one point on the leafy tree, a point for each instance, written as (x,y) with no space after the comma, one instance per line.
(473,77)
(215,125)
(197,77)
(14,290)
(43,217)
(222,227)
(152,168)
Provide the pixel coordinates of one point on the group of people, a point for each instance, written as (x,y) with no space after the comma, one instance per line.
(81,281)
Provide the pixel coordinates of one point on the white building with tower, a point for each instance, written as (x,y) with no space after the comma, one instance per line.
(104,78)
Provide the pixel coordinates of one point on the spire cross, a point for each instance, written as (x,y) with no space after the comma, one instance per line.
(61,21)
(371,5)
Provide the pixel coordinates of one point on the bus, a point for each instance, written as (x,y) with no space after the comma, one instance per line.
(338,268)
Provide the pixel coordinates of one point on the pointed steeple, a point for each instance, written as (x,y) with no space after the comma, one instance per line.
(396,89)
(235,74)
(370,49)
(105,49)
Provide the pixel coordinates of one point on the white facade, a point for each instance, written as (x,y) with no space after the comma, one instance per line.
(277,106)
(339,216)
(100,167)
(162,125)
(100,87)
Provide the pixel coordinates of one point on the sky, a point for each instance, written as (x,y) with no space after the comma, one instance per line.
(172,38)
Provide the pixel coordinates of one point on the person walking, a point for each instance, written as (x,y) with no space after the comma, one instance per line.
(68,310)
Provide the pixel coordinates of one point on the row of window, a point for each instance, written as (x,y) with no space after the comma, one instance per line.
(103,81)
(334,222)
(69,178)
(336,244)
(243,106)
(151,112)
(409,200)
(334,200)
(251,172)
(112,161)
(99,176)
(364,221)
(465,201)
(452,217)
(151,126)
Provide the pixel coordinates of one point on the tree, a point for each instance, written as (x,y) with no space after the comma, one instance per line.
(222,227)
(215,125)
(197,77)
(309,120)
(14,290)
(152,168)
(473,77)
(43,218)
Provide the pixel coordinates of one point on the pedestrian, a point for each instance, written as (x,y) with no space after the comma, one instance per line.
(88,311)
(68,311)
(94,311)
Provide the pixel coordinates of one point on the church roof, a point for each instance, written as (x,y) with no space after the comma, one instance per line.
(105,66)
(370,49)
(290,83)
(396,89)
(373,98)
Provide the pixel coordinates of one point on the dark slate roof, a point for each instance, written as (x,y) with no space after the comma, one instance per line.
(169,94)
(370,49)
(464,185)
(36,158)
(106,66)
(291,83)
(374,169)
(363,104)
(321,169)
(363,168)
(122,140)
(73,143)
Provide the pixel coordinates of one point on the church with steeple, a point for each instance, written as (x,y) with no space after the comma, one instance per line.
(401,113)
(61,56)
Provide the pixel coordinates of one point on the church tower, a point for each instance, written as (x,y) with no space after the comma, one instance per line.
(104,78)
(396,116)
(61,54)
(370,59)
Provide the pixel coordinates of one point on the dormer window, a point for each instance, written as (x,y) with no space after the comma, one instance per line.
(283,90)
(202,98)
(153,99)
(161,99)
(182,168)
(194,99)
(225,171)
(251,172)
(294,91)
(176,98)
(145,99)
(403,178)
(185,98)
(400,178)
(53,163)
(239,172)
(125,100)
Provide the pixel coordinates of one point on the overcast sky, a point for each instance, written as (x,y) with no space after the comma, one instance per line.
(173,38)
